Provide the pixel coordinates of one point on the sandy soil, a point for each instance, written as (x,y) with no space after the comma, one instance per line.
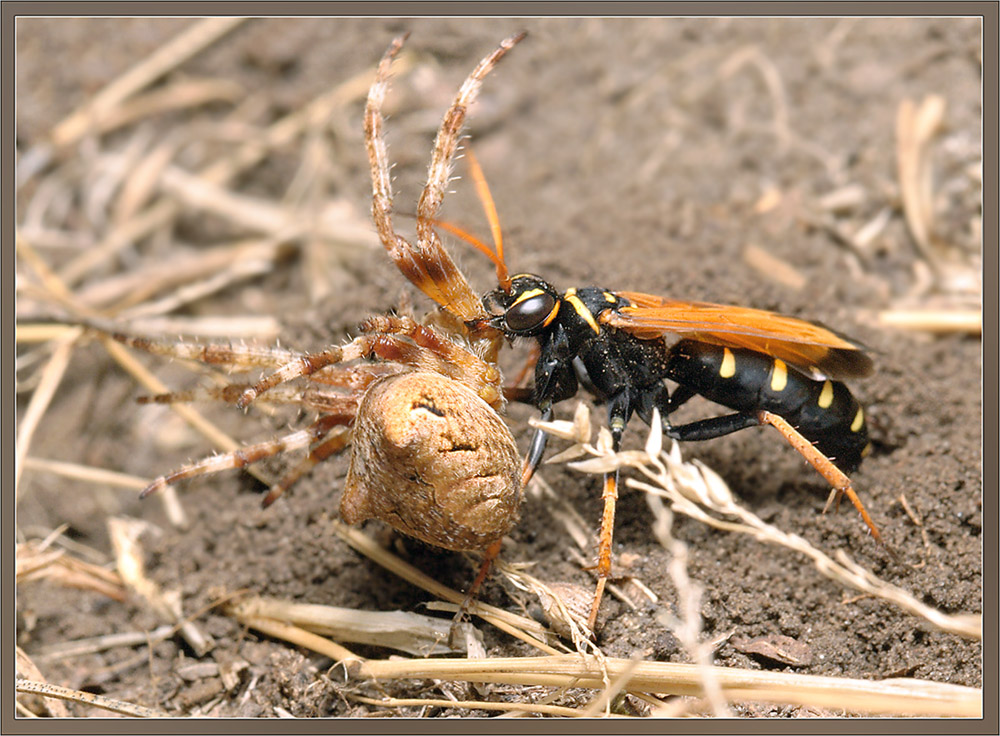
(647,155)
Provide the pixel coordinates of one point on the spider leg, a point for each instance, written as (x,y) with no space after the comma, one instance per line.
(450,359)
(489,556)
(427,350)
(228,393)
(247,455)
(303,364)
(428,267)
(334,442)
(537,448)
(232,357)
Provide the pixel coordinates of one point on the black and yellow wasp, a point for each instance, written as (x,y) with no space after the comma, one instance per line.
(765,367)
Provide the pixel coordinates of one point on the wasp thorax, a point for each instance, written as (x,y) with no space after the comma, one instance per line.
(434,461)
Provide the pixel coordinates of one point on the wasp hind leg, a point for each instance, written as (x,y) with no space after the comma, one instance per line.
(824,466)
(707,429)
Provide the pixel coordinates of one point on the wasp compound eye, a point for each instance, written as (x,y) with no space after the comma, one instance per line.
(531,311)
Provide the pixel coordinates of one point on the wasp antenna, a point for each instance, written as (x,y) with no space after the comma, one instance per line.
(468,238)
(483,190)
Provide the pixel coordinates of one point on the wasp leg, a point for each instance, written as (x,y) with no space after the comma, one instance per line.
(537,449)
(708,429)
(658,397)
(619,411)
(529,365)
(680,396)
(824,466)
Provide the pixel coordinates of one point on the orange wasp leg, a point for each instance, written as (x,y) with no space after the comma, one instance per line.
(610,496)
(824,466)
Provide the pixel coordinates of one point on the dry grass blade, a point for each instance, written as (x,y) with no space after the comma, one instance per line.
(194,39)
(298,636)
(241,269)
(144,281)
(184,94)
(886,697)
(939,321)
(80,647)
(338,222)
(541,709)
(26,669)
(753,57)
(695,490)
(281,133)
(688,626)
(523,628)
(964,624)
(692,488)
(132,568)
(916,126)
(45,332)
(403,631)
(774,268)
(237,327)
(844,571)
(86,473)
(97,701)
(33,561)
(51,377)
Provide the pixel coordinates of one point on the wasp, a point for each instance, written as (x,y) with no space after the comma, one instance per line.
(623,346)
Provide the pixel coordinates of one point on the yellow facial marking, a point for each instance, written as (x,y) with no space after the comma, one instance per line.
(867,450)
(609,297)
(859,420)
(826,395)
(728,367)
(527,295)
(779,376)
(552,315)
(582,310)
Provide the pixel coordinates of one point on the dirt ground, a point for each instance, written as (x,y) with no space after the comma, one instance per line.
(654,155)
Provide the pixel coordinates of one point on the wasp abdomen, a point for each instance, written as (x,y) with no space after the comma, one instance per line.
(824,412)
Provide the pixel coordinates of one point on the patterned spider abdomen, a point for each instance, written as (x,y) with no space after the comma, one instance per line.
(434,461)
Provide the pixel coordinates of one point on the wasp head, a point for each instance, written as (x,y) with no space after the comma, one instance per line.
(526,309)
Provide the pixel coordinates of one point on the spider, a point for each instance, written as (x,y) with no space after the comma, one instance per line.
(417,402)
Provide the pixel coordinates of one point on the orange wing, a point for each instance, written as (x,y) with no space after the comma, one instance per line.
(816,349)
